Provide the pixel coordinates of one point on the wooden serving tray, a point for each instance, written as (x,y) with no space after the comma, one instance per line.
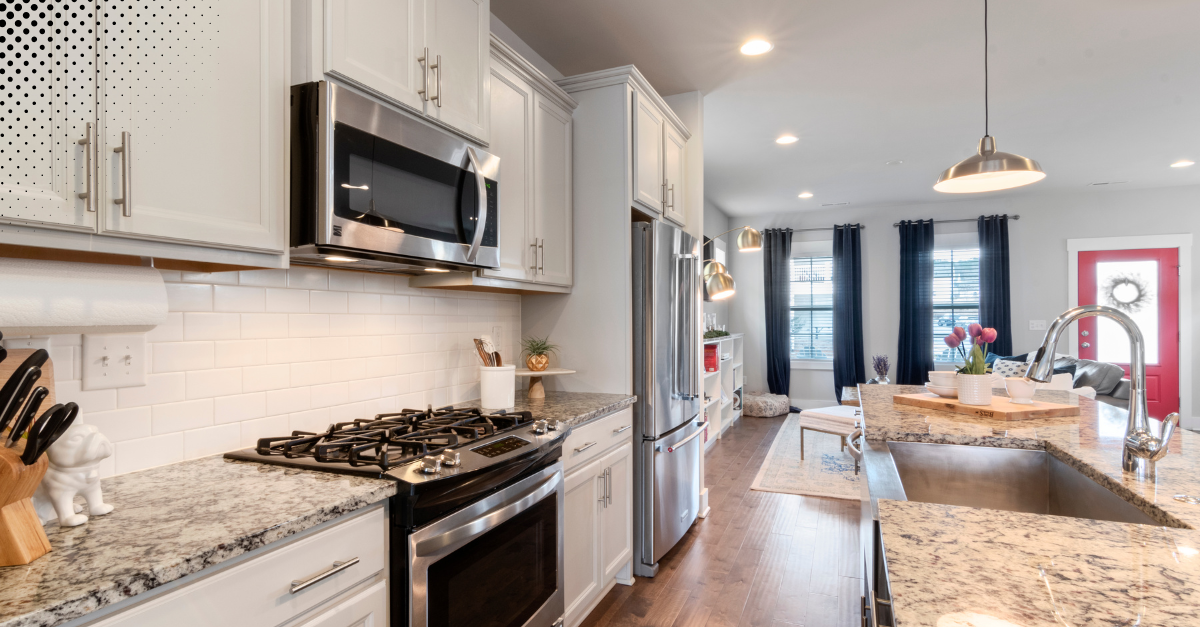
(1001,408)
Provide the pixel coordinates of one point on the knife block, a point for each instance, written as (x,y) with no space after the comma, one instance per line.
(22,537)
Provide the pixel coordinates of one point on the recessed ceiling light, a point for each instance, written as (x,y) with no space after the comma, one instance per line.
(435,270)
(1097,184)
(834,204)
(806,194)
(1182,164)
(787,139)
(341,259)
(756,46)
(894,162)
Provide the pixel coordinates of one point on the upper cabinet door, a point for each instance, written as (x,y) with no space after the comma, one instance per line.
(48,87)
(647,154)
(674,147)
(552,191)
(378,45)
(512,141)
(458,32)
(194,117)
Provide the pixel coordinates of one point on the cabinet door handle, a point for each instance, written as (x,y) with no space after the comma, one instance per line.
(541,256)
(608,486)
(338,567)
(126,151)
(623,429)
(86,142)
(534,267)
(437,79)
(671,205)
(424,61)
(580,449)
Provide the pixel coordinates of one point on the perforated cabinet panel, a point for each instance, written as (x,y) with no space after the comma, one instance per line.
(47,97)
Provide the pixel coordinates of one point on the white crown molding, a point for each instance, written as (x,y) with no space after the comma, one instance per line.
(626,74)
(512,60)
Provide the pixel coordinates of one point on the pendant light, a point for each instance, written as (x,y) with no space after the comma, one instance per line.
(990,170)
(717,280)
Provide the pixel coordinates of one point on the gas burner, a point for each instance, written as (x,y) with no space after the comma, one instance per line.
(393,439)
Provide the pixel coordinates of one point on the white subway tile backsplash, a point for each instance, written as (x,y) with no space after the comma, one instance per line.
(239,299)
(251,354)
(173,417)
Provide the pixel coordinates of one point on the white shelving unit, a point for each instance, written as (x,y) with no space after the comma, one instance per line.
(723,387)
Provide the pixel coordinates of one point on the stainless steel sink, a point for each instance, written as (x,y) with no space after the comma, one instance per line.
(1014,480)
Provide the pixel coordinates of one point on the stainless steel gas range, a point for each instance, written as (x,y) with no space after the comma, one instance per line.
(477,522)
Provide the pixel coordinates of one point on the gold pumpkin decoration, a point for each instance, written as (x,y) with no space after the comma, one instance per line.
(537,352)
(537,363)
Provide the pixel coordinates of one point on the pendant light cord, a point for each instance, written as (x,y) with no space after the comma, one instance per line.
(986,113)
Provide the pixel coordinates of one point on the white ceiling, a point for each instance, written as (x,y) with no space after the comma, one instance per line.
(1095,90)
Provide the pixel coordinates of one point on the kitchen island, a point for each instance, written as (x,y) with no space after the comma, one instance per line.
(952,566)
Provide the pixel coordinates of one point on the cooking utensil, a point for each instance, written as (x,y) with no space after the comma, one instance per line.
(26,415)
(483,355)
(491,349)
(47,430)
(12,403)
(496,358)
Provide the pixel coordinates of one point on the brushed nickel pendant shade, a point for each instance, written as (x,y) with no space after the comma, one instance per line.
(717,280)
(989,170)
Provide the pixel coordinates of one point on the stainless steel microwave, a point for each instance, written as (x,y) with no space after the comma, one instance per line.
(374,189)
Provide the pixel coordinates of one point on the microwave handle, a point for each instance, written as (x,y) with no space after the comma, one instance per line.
(481,224)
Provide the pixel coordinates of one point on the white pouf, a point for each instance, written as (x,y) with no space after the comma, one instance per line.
(765,405)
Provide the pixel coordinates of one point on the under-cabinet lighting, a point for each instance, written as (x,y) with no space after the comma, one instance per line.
(341,259)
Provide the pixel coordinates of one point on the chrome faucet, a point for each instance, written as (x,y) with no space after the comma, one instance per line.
(1142,446)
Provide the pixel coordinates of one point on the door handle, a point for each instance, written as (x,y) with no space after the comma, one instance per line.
(481,224)
(1085,345)
(679,445)
(671,205)
(424,61)
(126,152)
(534,267)
(437,79)
(542,256)
(623,429)
(86,142)
(338,567)
(580,449)
(607,487)
(603,489)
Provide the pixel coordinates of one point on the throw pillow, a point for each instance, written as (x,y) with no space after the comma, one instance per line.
(1009,368)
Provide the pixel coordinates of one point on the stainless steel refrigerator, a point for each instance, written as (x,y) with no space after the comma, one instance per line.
(667,382)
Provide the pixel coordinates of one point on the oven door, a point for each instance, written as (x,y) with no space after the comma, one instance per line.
(496,563)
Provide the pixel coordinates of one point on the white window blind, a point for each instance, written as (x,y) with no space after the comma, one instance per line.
(812,308)
(955,296)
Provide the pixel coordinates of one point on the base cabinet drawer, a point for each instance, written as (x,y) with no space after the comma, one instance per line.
(259,591)
(589,441)
(365,609)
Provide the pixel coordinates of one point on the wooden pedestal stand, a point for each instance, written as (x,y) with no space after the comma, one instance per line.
(536,389)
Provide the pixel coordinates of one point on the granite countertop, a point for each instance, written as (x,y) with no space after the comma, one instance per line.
(571,408)
(170,522)
(175,520)
(947,562)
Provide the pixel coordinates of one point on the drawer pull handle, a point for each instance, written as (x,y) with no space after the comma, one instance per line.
(338,567)
(580,449)
(623,429)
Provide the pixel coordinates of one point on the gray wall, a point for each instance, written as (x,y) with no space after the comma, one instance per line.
(1038,250)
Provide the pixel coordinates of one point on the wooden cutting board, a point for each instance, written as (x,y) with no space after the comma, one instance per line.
(1001,408)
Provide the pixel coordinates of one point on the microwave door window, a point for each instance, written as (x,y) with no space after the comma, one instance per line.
(420,200)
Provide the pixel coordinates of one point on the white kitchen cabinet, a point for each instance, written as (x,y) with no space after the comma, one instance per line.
(378,45)
(458,32)
(552,191)
(256,589)
(647,154)
(195,130)
(674,148)
(598,542)
(512,141)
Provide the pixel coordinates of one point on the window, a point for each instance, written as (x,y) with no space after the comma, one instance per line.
(812,308)
(955,296)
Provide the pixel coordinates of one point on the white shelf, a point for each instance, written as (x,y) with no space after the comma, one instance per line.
(726,403)
(711,402)
(712,374)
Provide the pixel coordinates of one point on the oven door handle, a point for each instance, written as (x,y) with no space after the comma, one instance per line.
(481,223)
(491,519)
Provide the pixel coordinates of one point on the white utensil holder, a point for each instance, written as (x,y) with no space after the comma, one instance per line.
(497,387)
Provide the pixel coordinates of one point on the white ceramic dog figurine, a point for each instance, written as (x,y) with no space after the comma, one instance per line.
(74,469)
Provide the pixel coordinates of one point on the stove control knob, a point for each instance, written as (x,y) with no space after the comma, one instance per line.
(431,465)
(553,425)
(451,459)
(540,426)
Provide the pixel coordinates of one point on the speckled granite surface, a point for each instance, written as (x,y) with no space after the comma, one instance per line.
(946,560)
(985,566)
(170,522)
(573,408)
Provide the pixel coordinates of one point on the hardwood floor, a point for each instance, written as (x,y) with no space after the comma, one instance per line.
(760,558)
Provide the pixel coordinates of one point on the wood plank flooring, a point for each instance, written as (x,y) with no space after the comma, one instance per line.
(759,559)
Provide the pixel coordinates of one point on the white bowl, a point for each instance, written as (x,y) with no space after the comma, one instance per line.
(946,392)
(943,378)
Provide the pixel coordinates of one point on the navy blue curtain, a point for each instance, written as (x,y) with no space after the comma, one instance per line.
(847,308)
(994,304)
(777,289)
(914,353)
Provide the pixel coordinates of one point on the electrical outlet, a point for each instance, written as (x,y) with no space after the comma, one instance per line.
(1037,325)
(114,360)
(27,343)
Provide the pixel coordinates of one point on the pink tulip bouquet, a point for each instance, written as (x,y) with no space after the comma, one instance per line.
(975,360)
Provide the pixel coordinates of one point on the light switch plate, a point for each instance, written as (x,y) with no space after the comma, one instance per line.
(114,360)
(1037,325)
(27,343)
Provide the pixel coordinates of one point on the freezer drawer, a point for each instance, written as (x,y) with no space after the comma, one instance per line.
(672,496)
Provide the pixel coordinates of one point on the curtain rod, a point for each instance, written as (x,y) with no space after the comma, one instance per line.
(1016,217)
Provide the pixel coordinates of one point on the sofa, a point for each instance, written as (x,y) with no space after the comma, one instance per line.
(1108,380)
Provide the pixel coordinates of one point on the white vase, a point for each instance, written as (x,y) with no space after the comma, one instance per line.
(974,389)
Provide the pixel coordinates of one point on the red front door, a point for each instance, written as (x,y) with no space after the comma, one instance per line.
(1144,284)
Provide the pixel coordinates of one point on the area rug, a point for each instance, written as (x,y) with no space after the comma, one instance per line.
(826,470)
